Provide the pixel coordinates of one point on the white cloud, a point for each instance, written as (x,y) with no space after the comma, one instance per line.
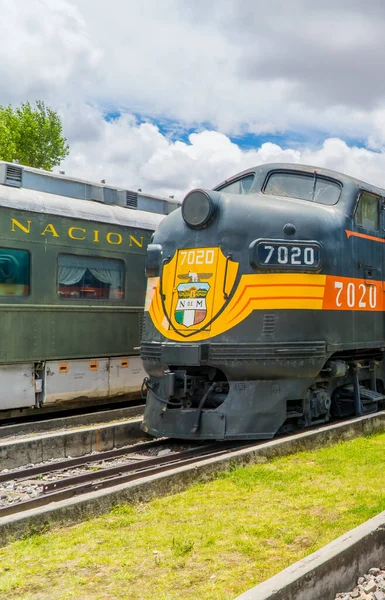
(138,155)
(244,64)
(238,65)
(235,66)
(45,51)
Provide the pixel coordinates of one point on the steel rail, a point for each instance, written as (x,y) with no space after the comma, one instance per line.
(106,472)
(157,465)
(69,463)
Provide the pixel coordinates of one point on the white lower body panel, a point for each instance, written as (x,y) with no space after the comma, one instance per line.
(17,386)
(56,382)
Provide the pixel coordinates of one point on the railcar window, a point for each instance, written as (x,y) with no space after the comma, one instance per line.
(90,277)
(310,187)
(14,272)
(367,213)
(240,186)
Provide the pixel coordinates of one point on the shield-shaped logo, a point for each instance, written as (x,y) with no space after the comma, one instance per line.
(191,306)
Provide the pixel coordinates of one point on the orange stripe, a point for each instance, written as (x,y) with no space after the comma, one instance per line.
(364,235)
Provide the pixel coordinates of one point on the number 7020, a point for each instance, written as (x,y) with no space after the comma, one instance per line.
(355,295)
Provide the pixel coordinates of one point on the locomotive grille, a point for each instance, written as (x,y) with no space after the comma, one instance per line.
(278,350)
(131,199)
(231,352)
(268,325)
(13,175)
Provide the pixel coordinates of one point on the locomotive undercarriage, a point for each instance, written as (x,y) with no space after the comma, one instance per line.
(348,385)
(202,401)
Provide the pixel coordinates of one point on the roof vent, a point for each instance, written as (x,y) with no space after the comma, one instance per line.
(13,175)
(131,199)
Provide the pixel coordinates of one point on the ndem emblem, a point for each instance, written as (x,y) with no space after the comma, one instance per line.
(191,306)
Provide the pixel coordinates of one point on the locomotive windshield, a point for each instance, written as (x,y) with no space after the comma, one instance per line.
(306,186)
(239,186)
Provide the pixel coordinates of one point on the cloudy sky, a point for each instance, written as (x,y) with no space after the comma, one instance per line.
(167,95)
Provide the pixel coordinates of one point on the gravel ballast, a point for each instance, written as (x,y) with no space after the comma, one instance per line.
(370,586)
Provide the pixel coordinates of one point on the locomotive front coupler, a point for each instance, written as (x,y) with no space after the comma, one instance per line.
(179,384)
(188,387)
(176,384)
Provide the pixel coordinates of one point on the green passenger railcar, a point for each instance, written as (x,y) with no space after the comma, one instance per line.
(71,292)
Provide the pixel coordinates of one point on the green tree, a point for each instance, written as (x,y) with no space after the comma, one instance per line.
(8,128)
(32,135)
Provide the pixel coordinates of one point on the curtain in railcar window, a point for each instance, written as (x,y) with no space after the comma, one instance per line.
(14,272)
(90,277)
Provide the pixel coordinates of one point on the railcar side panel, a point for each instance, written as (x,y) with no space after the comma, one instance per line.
(49,320)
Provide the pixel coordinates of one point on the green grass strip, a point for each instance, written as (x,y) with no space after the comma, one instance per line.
(212,541)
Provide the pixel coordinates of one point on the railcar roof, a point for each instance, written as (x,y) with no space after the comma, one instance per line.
(342,177)
(42,202)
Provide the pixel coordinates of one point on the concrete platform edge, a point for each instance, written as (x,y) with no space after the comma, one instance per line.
(60,422)
(332,569)
(21,452)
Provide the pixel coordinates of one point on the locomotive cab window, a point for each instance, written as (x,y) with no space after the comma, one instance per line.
(306,186)
(90,277)
(367,213)
(240,186)
(14,272)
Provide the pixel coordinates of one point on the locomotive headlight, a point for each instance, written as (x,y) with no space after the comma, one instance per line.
(198,209)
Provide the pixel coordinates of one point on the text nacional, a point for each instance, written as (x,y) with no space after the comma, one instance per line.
(79,233)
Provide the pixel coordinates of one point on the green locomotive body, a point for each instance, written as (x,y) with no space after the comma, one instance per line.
(71,292)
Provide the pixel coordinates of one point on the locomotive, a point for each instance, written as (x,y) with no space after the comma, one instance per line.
(265,307)
(72,287)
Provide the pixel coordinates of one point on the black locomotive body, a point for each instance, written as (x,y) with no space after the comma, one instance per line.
(265,307)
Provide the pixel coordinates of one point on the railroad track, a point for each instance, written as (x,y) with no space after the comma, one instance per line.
(98,474)
(175,471)
(134,467)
